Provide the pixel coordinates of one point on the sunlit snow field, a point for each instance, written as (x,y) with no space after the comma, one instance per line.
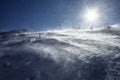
(69,54)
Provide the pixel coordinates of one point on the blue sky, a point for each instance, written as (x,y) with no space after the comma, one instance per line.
(48,14)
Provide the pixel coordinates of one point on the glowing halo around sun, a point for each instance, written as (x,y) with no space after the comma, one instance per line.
(91,15)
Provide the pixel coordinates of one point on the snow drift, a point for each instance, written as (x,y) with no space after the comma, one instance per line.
(60,55)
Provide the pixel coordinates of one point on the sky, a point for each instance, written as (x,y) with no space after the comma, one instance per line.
(50,14)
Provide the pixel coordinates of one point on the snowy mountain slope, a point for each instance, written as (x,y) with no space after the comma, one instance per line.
(60,54)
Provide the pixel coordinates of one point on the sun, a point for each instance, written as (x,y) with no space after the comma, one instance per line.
(91,15)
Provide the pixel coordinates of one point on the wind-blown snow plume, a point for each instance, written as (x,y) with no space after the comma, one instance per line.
(60,54)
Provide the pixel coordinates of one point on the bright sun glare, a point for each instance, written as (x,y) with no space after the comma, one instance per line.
(91,15)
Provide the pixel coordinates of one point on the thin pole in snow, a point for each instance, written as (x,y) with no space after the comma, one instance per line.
(39,36)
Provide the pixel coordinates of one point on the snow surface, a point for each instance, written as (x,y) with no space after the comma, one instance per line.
(67,54)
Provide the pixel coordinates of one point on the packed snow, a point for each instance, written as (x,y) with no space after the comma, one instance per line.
(68,54)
